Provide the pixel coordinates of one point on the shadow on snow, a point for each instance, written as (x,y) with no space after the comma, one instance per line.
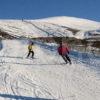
(31,64)
(16,97)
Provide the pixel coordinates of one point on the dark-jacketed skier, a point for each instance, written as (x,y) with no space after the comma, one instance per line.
(63,50)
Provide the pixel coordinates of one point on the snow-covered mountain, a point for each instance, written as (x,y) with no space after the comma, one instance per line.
(73,22)
(49,27)
(27,28)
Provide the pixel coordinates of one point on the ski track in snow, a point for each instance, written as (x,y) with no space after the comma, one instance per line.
(44,77)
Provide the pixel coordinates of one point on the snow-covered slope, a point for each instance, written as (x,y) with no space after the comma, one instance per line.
(27,28)
(73,22)
(43,79)
(95,34)
(49,27)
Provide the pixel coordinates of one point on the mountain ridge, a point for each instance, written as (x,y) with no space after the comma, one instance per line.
(50,27)
(72,22)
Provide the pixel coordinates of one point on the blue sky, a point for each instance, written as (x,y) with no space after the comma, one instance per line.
(34,9)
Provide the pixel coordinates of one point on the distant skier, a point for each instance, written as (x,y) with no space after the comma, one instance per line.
(63,50)
(30,50)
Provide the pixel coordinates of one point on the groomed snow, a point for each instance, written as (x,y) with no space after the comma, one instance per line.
(45,77)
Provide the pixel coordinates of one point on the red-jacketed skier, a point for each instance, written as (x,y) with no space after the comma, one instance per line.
(63,50)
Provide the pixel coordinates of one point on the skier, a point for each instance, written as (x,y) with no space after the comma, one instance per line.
(64,51)
(30,50)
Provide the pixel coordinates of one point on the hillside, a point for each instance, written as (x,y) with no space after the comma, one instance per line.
(50,27)
(73,22)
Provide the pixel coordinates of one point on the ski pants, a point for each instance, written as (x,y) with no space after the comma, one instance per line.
(30,52)
(66,58)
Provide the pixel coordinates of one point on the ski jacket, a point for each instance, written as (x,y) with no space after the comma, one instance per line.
(30,47)
(62,50)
